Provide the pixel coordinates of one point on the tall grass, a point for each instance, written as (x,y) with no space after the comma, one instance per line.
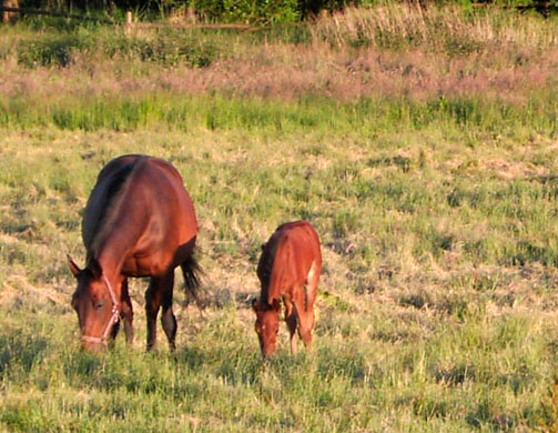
(451,29)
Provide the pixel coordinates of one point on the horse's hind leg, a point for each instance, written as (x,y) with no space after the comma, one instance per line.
(167,318)
(291,320)
(127,313)
(160,292)
(152,305)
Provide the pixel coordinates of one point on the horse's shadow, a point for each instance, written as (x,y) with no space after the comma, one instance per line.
(20,351)
(190,356)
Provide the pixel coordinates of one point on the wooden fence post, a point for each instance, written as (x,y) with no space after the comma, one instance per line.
(9,17)
(128,23)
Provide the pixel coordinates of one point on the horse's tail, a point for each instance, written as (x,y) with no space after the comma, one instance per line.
(192,283)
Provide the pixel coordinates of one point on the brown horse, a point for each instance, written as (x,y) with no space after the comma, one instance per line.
(139,222)
(289,269)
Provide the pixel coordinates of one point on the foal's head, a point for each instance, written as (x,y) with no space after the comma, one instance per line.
(267,325)
(93,304)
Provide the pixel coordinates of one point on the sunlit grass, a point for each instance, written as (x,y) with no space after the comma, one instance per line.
(435,270)
(436,211)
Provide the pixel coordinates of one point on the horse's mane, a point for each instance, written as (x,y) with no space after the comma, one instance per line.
(105,194)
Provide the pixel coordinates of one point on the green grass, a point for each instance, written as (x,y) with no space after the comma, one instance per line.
(437,294)
(472,118)
(437,214)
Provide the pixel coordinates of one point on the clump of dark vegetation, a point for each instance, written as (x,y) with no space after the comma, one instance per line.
(167,48)
(268,11)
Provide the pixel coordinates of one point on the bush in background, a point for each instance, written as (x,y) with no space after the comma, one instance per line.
(262,11)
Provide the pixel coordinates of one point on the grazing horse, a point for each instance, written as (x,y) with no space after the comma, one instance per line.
(139,222)
(289,269)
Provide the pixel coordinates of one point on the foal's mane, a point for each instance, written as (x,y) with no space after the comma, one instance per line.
(266,266)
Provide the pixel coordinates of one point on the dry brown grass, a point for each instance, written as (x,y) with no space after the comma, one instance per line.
(408,24)
(341,74)
(386,51)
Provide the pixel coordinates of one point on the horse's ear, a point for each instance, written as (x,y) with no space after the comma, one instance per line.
(276,305)
(263,246)
(95,267)
(255,304)
(73,266)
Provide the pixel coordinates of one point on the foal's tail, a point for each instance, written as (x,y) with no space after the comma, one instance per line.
(192,273)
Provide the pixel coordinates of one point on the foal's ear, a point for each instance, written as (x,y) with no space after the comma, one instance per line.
(73,266)
(256,305)
(276,305)
(95,267)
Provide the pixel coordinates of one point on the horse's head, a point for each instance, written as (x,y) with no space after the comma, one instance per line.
(267,325)
(94,305)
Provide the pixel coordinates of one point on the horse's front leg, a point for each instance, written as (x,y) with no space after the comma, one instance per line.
(127,312)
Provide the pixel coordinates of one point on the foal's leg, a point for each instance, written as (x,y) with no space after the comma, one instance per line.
(305,313)
(167,318)
(290,319)
(306,327)
(311,290)
(127,312)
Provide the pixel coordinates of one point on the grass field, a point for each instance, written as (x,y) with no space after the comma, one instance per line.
(425,154)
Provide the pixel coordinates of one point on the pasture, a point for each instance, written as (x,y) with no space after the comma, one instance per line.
(426,156)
